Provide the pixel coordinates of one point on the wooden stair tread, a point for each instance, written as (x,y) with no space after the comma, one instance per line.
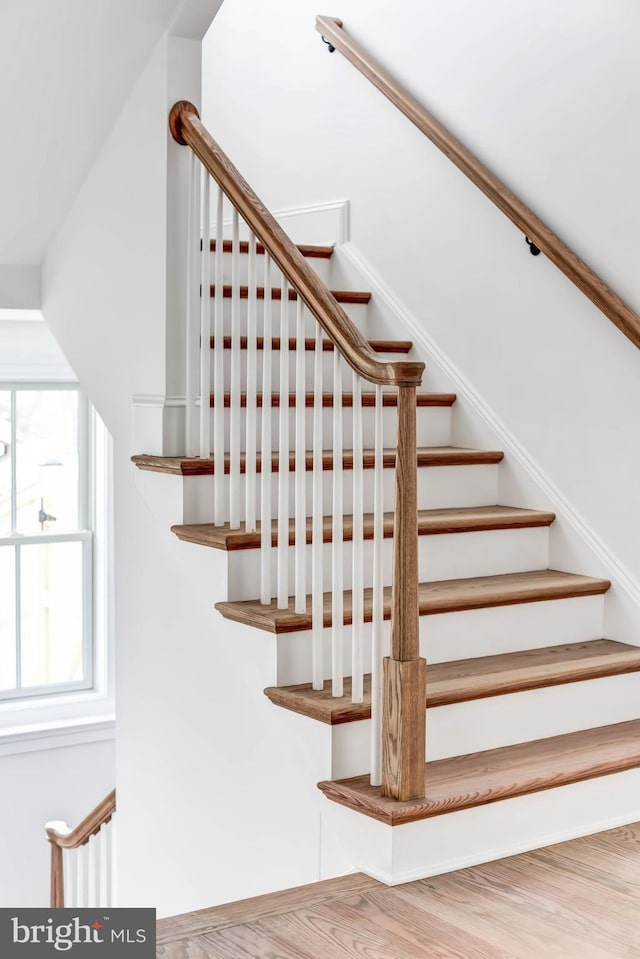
(480,778)
(342,296)
(476,678)
(430,522)
(368,399)
(380,346)
(442,596)
(309,250)
(427,456)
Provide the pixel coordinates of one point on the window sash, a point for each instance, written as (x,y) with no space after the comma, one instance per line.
(83,535)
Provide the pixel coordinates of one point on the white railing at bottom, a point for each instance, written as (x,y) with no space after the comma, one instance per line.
(83,859)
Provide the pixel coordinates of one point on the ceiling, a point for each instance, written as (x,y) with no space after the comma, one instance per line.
(66,67)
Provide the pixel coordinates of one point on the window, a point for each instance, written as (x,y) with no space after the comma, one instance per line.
(56,656)
(46,541)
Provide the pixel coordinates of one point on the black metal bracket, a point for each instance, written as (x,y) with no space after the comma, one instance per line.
(329,44)
(44,517)
(533,249)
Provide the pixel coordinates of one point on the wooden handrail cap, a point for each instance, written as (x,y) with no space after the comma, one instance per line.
(175,119)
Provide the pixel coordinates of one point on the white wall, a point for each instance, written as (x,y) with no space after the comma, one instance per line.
(20,287)
(546,94)
(105,283)
(104,274)
(37,787)
(29,351)
(210,807)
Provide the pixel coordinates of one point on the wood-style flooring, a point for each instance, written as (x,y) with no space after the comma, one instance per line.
(576,900)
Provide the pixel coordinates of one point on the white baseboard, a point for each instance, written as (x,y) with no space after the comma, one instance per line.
(504,852)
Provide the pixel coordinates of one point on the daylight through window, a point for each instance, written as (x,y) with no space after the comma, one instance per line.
(46,541)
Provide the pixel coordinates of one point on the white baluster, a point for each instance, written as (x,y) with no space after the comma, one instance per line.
(70,867)
(102,841)
(218,369)
(377,627)
(251,414)
(92,872)
(317,534)
(234,403)
(283,450)
(357,578)
(191,325)
(265,444)
(337,558)
(82,886)
(113,862)
(205,322)
(108,863)
(300,467)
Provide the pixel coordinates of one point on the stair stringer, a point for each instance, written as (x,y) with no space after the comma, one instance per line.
(574,544)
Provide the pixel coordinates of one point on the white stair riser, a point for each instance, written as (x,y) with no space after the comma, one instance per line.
(320,265)
(357,313)
(438,487)
(462,728)
(460,635)
(309,357)
(446,556)
(445,843)
(433,427)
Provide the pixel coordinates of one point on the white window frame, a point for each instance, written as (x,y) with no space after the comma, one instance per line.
(83,711)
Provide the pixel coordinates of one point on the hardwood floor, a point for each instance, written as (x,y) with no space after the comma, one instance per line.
(576,900)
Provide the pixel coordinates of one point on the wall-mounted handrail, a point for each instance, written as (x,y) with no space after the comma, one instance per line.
(187,128)
(593,286)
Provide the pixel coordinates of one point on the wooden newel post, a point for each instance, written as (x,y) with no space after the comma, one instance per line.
(57,878)
(404,682)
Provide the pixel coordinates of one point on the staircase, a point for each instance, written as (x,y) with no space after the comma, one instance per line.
(524,696)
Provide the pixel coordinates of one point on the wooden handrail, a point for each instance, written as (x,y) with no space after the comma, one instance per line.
(61,837)
(89,826)
(187,128)
(593,286)
(404,684)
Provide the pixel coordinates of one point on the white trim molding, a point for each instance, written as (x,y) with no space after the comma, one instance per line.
(323,224)
(158,424)
(55,735)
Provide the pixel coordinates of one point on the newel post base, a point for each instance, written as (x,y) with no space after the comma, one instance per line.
(404,719)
